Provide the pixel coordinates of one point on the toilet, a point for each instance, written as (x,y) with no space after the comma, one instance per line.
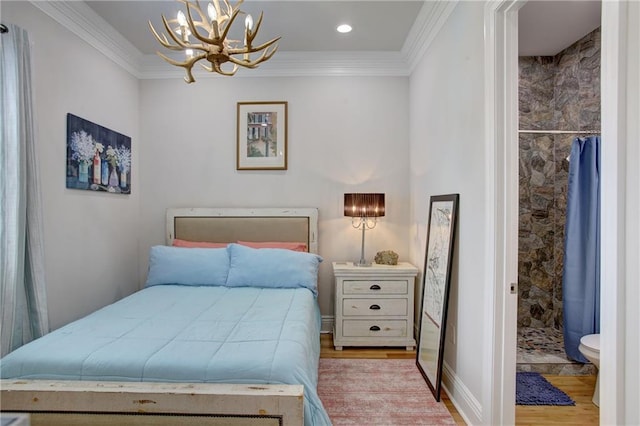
(590,348)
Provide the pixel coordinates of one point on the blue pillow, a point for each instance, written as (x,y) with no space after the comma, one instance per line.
(187,266)
(272,268)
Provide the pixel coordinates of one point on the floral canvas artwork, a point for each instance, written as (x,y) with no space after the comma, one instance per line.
(98,159)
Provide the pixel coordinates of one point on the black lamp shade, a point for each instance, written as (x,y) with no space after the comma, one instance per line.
(364,205)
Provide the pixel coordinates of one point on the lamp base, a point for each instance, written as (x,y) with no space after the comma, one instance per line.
(362,263)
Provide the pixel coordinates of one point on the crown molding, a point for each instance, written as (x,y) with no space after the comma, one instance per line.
(84,22)
(427,25)
(296,64)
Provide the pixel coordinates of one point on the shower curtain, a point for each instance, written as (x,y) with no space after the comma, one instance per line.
(581,275)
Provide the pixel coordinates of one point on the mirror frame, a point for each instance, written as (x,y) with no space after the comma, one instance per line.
(436,280)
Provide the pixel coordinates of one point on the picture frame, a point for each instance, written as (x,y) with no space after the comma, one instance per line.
(441,233)
(262,136)
(98,159)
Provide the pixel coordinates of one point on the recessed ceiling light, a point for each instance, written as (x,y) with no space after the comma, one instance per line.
(344,28)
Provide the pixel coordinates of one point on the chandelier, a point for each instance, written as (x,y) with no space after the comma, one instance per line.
(206,38)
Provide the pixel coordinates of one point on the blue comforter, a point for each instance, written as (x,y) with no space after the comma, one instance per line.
(174,333)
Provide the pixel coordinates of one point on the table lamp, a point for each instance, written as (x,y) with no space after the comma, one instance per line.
(364,209)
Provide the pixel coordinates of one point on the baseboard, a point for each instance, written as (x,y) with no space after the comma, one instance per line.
(327,324)
(467,405)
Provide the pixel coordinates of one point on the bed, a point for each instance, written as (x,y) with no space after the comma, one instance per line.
(225,331)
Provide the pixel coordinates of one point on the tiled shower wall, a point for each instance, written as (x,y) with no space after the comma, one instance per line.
(559,92)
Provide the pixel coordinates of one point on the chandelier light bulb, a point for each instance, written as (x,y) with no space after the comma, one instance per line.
(211,10)
(182,20)
(248,22)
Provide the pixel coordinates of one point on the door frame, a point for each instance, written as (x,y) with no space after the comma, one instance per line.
(501,137)
(501,109)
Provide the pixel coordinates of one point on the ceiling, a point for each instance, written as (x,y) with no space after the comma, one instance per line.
(389,36)
(303,25)
(546,26)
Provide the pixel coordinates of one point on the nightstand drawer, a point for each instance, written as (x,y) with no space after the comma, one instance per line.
(373,328)
(374,305)
(375,287)
(377,307)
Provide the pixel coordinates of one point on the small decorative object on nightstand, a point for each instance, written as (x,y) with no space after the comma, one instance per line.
(374,306)
(386,257)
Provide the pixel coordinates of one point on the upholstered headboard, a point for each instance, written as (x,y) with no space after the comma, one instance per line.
(228,225)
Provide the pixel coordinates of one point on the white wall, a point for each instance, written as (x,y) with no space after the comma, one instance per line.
(447,156)
(345,135)
(91,241)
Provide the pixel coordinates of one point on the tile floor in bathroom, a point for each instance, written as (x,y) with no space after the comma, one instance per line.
(542,350)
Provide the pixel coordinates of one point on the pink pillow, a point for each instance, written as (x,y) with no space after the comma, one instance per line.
(276,244)
(200,244)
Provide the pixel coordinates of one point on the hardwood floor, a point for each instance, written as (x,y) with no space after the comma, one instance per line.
(579,388)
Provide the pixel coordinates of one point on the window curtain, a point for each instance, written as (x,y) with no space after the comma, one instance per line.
(22,295)
(581,274)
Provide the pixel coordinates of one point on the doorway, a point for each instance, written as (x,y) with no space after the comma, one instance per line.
(500,132)
(559,100)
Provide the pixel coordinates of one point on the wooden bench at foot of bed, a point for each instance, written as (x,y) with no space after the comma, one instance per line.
(71,403)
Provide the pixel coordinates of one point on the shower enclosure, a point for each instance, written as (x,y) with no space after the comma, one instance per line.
(559,99)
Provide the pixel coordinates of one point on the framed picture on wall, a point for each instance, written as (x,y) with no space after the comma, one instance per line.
(262,136)
(98,159)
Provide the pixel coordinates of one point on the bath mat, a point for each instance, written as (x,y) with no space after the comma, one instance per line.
(533,389)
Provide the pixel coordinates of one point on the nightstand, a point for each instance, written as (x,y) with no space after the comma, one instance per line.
(374,305)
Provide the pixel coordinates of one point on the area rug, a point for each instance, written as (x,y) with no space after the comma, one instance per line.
(378,392)
(533,389)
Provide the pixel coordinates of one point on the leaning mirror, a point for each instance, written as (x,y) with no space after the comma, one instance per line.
(436,275)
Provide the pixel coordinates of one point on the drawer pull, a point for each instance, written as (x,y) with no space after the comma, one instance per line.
(374,307)
(374,328)
(375,287)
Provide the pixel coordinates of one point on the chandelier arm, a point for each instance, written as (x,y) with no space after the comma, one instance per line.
(196,6)
(266,55)
(203,23)
(228,25)
(251,34)
(253,49)
(189,78)
(265,46)
(230,8)
(188,63)
(162,39)
(173,36)
(195,32)
(219,69)
(243,63)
